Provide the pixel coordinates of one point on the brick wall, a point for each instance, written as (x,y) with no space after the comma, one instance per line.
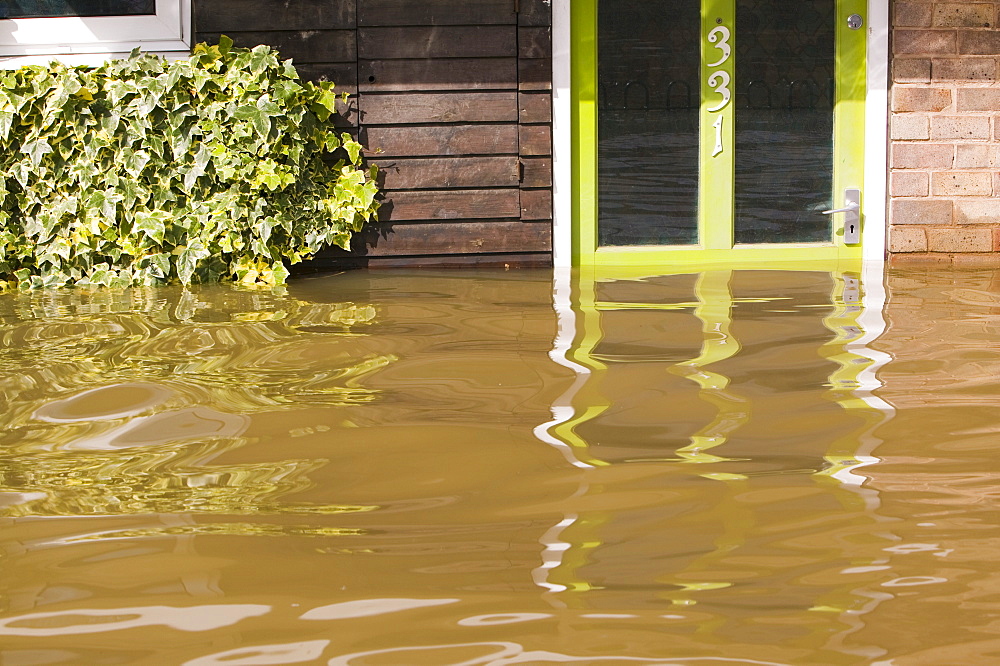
(944,178)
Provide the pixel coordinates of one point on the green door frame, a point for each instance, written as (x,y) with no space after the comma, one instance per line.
(715,211)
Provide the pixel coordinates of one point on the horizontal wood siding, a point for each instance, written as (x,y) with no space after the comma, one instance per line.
(431,13)
(229,16)
(452,99)
(436,74)
(458,172)
(411,108)
(491,41)
(485,139)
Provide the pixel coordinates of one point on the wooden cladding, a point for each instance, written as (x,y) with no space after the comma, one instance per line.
(416,108)
(459,172)
(452,99)
(441,140)
(489,41)
(408,12)
(457,238)
(436,74)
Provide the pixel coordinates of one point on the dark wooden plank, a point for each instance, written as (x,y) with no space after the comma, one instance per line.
(536,172)
(481,41)
(469,172)
(535,12)
(303,46)
(499,260)
(450,205)
(465,237)
(347,114)
(536,204)
(534,107)
(437,74)
(535,139)
(435,12)
(534,42)
(342,74)
(241,15)
(442,140)
(412,109)
(335,259)
(534,73)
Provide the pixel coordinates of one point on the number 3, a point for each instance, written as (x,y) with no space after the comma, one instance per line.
(721,35)
(721,88)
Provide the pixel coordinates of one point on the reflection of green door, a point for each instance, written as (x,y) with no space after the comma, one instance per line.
(716,130)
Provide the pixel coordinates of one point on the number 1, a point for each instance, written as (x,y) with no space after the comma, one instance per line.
(718,136)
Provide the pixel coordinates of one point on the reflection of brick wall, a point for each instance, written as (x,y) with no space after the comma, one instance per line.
(945,130)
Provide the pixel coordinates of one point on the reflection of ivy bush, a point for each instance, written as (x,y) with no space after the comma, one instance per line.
(228,354)
(143,171)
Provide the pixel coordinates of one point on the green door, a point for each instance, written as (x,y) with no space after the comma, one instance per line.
(717,131)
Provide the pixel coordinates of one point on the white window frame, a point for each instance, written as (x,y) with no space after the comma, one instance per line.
(82,40)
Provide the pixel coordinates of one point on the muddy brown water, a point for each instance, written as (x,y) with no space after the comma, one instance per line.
(485,467)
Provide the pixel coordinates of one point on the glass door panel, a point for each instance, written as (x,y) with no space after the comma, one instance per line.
(716,130)
(784,120)
(648,100)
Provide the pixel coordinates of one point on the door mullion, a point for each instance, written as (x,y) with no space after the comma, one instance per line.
(718,124)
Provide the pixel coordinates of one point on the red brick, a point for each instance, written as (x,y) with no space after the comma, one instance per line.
(922,155)
(907,239)
(918,259)
(977,260)
(964,69)
(979,42)
(925,42)
(977,211)
(920,99)
(910,126)
(960,127)
(963,15)
(921,211)
(911,70)
(976,156)
(962,183)
(909,184)
(960,239)
(978,99)
(912,14)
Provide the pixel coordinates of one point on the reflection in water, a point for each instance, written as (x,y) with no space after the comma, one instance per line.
(177,379)
(94,620)
(418,467)
(283,653)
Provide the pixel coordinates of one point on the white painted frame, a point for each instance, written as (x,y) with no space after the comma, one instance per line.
(93,39)
(874,197)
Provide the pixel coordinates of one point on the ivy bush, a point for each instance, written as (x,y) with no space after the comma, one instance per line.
(141,171)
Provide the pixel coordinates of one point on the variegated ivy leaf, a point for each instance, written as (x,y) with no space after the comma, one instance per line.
(143,171)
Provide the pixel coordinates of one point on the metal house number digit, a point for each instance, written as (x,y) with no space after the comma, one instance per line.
(719,80)
(720,34)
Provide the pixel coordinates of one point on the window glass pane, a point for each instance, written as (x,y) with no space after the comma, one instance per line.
(56,8)
(784,120)
(648,90)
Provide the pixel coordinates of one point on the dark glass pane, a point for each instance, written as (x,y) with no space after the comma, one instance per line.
(784,120)
(55,8)
(648,96)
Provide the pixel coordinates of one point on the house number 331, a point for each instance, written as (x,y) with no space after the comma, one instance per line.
(719,80)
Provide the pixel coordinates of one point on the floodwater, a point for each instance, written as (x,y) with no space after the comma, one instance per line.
(479,467)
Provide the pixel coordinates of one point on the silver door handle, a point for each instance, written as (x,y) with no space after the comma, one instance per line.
(852,215)
(846,209)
